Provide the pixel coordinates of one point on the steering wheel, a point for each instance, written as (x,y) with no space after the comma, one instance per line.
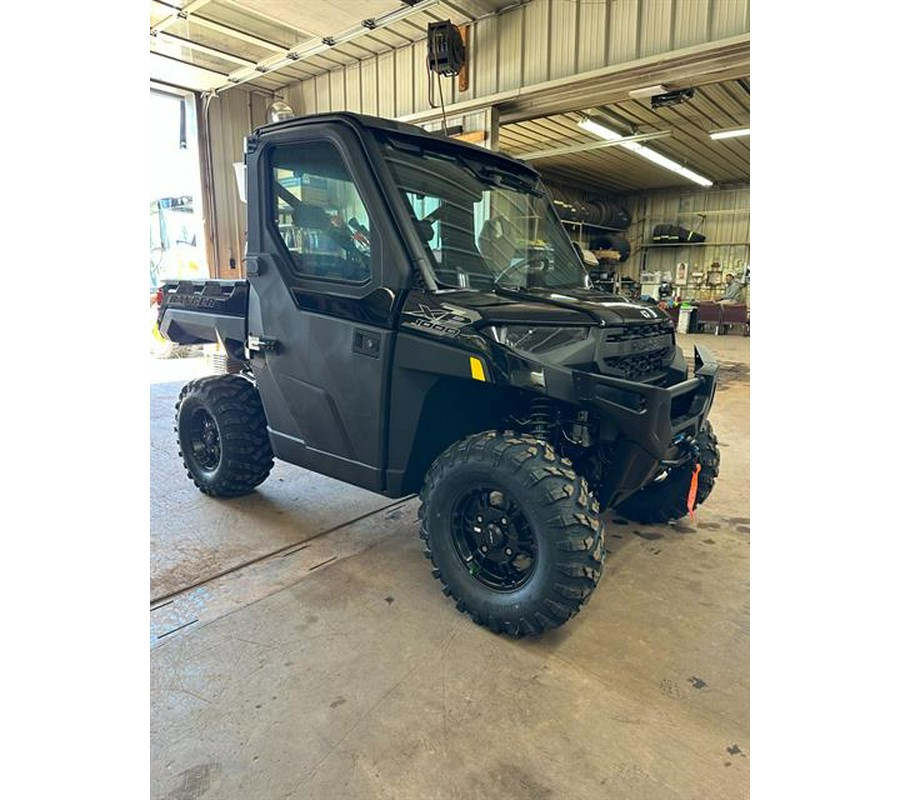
(533,265)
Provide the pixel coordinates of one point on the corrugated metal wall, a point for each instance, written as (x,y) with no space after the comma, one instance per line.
(722,215)
(540,41)
(226,120)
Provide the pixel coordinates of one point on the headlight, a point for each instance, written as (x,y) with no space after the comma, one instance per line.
(538,338)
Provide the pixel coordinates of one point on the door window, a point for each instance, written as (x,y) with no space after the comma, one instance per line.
(319,213)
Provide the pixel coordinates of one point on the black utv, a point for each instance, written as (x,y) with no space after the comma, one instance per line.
(416,320)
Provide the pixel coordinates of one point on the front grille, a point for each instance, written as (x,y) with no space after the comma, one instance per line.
(638,331)
(637,366)
(638,352)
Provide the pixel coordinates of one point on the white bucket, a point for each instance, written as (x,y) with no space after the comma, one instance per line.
(684,319)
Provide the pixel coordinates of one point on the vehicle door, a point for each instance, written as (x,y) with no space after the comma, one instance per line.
(324,281)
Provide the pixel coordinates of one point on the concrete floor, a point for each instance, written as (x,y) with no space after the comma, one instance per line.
(300,647)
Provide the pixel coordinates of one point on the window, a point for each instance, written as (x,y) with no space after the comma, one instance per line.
(319,213)
(483,226)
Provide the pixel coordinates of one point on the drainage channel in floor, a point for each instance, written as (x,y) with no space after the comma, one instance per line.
(239,586)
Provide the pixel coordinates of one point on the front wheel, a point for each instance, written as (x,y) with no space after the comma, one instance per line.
(666,498)
(513,533)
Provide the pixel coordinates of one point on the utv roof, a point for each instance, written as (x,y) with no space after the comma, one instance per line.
(393,127)
(363,120)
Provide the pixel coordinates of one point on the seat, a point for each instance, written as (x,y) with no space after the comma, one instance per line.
(736,315)
(425,229)
(709,314)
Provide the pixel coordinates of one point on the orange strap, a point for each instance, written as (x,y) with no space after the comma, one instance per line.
(692,492)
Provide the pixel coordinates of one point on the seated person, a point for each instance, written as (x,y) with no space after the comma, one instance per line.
(734,291)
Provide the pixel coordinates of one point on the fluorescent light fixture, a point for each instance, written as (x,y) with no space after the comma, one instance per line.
(583,148)
(651,155)
(729,133)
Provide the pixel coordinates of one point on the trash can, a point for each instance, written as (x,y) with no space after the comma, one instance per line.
(685,319)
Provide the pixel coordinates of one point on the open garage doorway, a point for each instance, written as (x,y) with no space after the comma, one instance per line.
(177,242)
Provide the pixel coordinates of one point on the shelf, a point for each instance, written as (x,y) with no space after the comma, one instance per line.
(717,212)
(593,225)
(695,244)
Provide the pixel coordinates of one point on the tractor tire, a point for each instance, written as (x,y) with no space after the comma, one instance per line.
(222,436)
(602,241)
(666,499)
(513,533)
(612,241)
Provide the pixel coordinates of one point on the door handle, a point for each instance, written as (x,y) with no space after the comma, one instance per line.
(366,343)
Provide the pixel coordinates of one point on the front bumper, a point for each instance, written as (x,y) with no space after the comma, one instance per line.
(656,424)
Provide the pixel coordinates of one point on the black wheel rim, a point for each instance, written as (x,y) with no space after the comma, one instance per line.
(493,539)
(204,442)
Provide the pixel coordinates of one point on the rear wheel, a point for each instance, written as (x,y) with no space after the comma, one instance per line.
(222,436)
(512,531)
(667,498)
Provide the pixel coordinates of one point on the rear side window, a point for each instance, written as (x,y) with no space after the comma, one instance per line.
(319,213)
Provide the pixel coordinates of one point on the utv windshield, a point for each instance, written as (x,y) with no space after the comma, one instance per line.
(484,227)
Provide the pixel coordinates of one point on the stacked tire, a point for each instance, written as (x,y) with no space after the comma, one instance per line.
(603,212)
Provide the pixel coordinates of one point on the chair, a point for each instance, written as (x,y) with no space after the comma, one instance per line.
(709,314)
(736,315)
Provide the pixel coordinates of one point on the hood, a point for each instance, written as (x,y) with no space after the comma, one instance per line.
(605,309)
(547,306)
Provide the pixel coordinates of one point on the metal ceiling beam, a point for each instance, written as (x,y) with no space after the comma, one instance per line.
(308,48)
(180,73)
(581,148)
(616,90)
(724,59)
(183,63)
(234,33)
(201,48)
(176,15)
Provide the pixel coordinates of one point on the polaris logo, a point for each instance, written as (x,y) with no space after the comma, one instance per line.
(645,345)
